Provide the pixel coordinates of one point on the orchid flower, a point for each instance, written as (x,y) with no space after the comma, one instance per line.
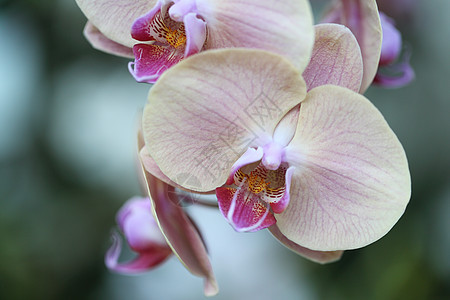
(362,18)
(322,166)
(392,73)
(142,234)
(160,33)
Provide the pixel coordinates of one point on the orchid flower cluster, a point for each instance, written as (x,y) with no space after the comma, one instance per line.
(254,103)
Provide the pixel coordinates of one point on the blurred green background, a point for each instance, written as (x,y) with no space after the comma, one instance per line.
(68,116)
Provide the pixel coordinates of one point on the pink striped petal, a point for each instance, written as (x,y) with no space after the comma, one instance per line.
(351,182)
(361,16)
(243,209)
(102,43)
(114,18)
(180,232)
(321,257)
(284,27)
(336,58)
(206,111)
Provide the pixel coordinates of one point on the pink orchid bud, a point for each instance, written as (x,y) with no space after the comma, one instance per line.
(392,71)
(143,236)
(392,41)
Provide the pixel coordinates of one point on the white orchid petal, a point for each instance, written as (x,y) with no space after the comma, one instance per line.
(352,181)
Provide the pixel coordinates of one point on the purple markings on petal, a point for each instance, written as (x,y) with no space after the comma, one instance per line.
(243,209)
(279,206)
(151,61)
(351,182)
(336,58)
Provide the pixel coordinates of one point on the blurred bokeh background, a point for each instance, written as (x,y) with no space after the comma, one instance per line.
(68,116)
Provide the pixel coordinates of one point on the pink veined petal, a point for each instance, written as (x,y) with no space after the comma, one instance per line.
(206,111)
(321,257)
(243,210)
(280,205)
(152,60)
(102,43)
(143,262)
(362,17)
(114,18)
(284,27)
(150,166)
(250,156)
(180,233)
(351,182)
(336,58)
(195,34)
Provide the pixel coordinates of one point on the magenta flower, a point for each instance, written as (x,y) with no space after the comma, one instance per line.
(161,33)
(142,234)
(321,168)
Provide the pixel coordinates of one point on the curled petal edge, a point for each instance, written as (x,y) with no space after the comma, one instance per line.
(321,257)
